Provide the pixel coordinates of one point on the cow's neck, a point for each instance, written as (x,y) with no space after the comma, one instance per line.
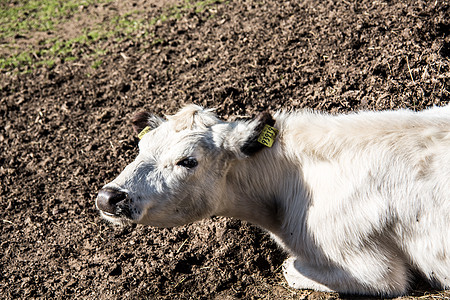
(258,190)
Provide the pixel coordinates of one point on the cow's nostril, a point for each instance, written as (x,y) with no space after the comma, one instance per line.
(108,198)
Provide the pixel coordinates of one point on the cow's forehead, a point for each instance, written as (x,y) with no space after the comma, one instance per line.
(165,141)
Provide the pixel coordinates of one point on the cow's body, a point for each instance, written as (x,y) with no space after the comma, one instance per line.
(357,200)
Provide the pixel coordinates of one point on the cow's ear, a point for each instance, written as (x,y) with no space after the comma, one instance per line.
(145,119)
(246,138)
(261,136)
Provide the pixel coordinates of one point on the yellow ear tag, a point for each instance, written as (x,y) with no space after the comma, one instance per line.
(143,132)
(268,135)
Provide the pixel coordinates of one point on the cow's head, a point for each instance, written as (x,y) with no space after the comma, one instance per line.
(180,173)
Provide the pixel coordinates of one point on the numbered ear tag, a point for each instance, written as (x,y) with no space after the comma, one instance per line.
(143,132)
(268,135)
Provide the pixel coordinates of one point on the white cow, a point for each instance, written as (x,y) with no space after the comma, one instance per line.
(359,201)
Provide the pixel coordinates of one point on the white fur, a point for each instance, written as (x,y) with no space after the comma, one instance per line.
(357,200)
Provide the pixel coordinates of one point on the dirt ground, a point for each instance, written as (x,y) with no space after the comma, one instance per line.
(65,131)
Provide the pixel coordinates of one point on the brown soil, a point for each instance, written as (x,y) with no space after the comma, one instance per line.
(65,132)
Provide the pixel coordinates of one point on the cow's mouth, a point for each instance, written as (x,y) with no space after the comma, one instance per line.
(107,214)
(121,217)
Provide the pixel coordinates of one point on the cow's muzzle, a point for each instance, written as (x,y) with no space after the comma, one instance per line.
(109,200)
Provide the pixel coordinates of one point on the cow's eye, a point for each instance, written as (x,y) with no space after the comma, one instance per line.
(189,163)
